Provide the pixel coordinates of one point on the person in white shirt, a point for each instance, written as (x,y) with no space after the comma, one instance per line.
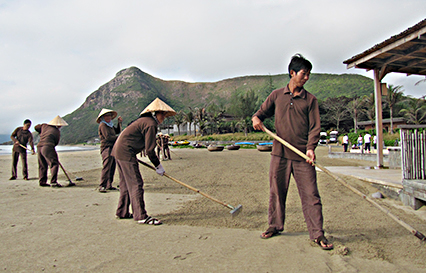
(345,143)
(359,141)
(367,142)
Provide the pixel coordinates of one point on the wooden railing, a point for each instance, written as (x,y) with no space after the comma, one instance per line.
(413,151)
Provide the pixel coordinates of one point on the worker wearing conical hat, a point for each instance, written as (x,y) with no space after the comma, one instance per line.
(47,156)
(139,134)
(108,136)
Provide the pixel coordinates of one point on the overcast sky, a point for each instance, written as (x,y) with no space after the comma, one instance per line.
(53,54)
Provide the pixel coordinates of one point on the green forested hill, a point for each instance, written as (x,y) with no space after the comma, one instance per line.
(131,90)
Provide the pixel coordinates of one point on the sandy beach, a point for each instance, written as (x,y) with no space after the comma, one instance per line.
(73,229)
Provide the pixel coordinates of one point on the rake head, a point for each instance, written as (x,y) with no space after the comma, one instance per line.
(236,210)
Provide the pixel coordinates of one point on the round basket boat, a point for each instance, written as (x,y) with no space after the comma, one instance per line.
(214,148)
(198,145)
(233,147)
(264,148)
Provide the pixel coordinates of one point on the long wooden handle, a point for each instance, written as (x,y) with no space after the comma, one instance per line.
(394,217)
(65,172)
(188,186)
(25,147)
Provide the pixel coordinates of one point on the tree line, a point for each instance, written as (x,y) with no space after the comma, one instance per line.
(337,113)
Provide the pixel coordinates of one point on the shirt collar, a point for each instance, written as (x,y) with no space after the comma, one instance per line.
(302,92)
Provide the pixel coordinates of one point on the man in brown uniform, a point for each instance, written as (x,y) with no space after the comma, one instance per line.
(47,156)
(139,134)
(108,136)
(21,136)
(159,141)
(166,149)
(297,121)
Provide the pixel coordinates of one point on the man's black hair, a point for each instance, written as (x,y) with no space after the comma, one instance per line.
(27,121)
(297,63)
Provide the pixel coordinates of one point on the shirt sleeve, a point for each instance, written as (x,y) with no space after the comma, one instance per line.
(150,144)
(14,135)
(118,128)
(267,109)
(314,126)
(38,128)
(31,141)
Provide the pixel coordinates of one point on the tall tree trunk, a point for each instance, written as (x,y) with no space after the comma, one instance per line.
(356,120)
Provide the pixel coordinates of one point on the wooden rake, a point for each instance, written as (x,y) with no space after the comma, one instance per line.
(234,210)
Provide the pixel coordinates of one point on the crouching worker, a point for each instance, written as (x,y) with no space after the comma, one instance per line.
(47,156)
(138,135)
(108,136)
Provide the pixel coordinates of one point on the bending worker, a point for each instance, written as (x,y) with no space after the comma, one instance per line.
(108,136)
(21,137)
(47,156)
(297,121)
(139,134)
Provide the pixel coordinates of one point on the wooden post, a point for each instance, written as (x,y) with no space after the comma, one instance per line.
(379,124)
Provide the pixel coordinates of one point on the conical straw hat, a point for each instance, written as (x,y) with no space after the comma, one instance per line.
(103,112)
(58,121)
(159,105)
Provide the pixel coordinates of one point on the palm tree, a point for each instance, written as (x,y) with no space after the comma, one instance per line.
(354,107)
(179,120)
(394,97)
(370,106)
(415,112)
(200,119)
(189,117)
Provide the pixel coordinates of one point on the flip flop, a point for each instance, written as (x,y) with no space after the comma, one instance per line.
(270,232)
(324,241)
(150,221)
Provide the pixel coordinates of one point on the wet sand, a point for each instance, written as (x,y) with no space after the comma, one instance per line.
(74,229)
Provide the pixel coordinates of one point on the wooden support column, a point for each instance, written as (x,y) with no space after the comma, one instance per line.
(379,123)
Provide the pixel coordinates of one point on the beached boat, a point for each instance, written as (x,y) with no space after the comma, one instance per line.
(214,148)
(233,147)
(178,143)
(198,145)
(264,147)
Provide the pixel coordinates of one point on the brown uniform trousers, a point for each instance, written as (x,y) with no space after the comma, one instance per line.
(47,157)
(108,168)
(15,159)
(305,176)
(131,190)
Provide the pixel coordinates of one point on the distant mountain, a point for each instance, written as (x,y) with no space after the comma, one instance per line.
(131,90)
(5,138)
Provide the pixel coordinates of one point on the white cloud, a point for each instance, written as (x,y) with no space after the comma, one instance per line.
(55,53)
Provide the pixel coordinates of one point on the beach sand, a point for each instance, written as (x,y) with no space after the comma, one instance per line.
(73,229)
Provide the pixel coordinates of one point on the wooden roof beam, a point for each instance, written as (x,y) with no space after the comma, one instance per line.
(412,36)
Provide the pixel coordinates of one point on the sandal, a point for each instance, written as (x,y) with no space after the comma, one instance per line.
(270,232)
(323,243)
(150,221)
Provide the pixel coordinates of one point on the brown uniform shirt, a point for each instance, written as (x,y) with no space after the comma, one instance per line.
(108,135)
(24,137)
(139,135)
(297,121)
(49,135)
